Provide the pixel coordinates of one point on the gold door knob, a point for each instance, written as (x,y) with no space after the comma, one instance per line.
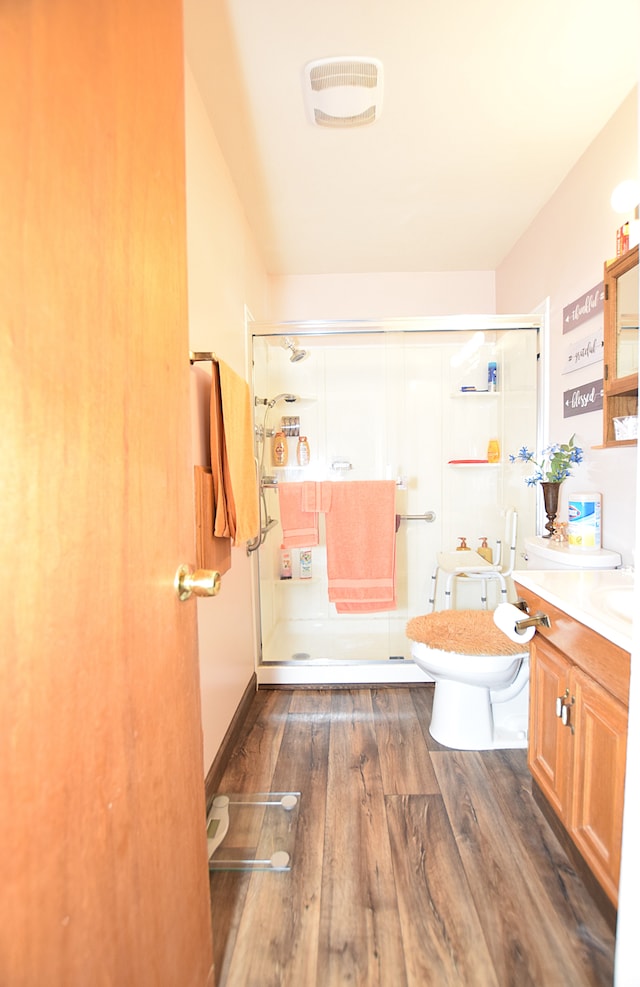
(199,582)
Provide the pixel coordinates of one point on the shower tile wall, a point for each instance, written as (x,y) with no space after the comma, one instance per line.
(390,405)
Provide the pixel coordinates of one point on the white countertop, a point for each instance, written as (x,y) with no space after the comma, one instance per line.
(604,599)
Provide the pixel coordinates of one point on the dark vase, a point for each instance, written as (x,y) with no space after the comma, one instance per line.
(550,492)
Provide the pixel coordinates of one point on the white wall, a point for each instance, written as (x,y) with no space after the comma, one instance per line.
(381,296)
(561,256)
(224,272)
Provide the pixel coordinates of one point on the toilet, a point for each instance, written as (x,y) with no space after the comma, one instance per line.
(481,697)
(543,553)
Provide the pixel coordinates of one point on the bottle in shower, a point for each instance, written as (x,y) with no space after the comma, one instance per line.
(285,563)
(493,451)
(280,450)
(305,563)
(303,454)
(492,375)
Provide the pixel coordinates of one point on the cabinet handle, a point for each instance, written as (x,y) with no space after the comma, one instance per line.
(560,704)
(565,714)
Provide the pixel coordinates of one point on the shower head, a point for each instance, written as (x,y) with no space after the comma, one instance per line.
(295,354)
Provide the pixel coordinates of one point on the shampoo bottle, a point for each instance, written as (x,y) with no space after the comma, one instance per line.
(493,451)
(305,563)
(280,450)
(285,563)
(492,376)
(303,454)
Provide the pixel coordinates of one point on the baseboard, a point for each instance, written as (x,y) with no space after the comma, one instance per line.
(336,686)
(220,761)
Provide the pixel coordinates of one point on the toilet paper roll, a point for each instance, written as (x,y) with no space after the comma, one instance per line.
(505,616)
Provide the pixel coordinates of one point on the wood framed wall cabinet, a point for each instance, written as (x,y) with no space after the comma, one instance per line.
(620,399)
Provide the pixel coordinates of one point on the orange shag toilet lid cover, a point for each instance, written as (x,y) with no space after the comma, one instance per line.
(463,632)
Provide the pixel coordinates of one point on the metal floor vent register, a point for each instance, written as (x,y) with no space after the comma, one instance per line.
(252,832)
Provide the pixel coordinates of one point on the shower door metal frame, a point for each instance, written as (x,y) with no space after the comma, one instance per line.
(354,672)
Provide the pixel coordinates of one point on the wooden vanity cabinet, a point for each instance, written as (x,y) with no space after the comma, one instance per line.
(579,694)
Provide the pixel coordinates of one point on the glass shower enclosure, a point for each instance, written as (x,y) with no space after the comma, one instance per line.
(408,402)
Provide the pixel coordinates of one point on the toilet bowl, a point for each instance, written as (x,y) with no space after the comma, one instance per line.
(481,700)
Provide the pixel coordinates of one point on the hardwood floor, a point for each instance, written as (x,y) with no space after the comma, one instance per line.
(413,864)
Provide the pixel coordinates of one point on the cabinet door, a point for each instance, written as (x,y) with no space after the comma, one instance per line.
(598,787)
(550,743)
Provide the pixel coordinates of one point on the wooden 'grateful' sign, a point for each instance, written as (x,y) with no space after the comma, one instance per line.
(584,351)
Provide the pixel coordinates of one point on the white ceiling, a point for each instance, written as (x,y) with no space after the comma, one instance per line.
(487,106)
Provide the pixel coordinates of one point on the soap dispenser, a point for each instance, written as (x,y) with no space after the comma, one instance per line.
(485,551)
(462,547)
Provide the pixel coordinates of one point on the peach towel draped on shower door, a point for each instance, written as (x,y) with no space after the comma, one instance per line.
(361,546)
(299,523)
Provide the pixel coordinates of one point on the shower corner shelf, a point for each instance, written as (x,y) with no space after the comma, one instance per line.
(475,394)
(479,465)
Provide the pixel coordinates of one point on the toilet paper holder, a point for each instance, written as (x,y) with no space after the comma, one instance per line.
(538,619)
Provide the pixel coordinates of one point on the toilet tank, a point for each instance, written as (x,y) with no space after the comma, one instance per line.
(542,553)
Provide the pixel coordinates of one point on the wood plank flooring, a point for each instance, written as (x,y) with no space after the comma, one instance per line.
(414,865)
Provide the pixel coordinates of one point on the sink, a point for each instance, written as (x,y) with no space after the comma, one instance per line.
(617,601)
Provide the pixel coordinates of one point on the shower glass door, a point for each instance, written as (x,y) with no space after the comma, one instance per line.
(395,405)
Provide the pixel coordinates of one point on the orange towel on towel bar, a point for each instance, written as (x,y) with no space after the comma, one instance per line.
(240,479)
(361,546)
(316,496)
(299,526)
(222,528)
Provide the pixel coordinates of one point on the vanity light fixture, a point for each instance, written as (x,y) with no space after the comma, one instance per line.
(625,196)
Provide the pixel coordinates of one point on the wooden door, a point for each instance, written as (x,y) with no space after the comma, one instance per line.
(598,793)
(104,870)
(550,746)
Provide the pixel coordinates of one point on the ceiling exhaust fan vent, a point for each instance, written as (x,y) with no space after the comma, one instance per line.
(343,92)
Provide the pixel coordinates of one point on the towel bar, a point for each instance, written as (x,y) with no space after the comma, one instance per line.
(200,357)
(427,516)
